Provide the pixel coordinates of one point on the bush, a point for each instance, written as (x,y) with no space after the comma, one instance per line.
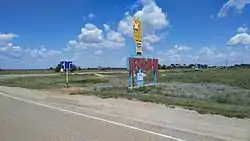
(58,68)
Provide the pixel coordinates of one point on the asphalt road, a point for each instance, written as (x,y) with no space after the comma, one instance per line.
(25,119)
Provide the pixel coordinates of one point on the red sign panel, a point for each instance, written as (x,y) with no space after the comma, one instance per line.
(146,64)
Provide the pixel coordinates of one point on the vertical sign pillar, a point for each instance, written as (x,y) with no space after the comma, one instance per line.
(67,78)
(131,71)
(155,67)
(66,66)
(137,27)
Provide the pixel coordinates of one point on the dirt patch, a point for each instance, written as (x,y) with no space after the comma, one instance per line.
(71,91)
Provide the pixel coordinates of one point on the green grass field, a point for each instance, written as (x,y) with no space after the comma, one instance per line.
(8,72)
(234,77)
(224,92)
(48,82)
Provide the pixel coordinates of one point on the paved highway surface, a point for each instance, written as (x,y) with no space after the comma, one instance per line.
(24,121)
(25,118)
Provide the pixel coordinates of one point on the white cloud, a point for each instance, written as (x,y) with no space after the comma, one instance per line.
(177,51)
(210,53)
(113,35)
(91,15)
(72,44)
(41,53)
(152,16)
(207,51)
(247,48)
(90,34)
(75,57)
(240,39)
(146,46)
(54,52)
(6,37)
(11,51)
(242,29)
(237,4)
(7,49)
(98,52)
(151,38)
(181,48)
(106,27)
(126,25)
(176,54)
(153,19)
(18,57)
(10,47)
(206,55)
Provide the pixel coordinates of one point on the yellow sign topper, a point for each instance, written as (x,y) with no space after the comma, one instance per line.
(137,30)
(137,35)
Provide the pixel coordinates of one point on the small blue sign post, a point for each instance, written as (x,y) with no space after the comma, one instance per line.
(66,66)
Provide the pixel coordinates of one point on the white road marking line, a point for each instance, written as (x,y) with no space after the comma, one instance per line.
(139,120)
(93,117)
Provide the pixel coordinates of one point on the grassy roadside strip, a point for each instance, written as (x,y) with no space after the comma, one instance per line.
(54,82)
(202,107)
(230,102)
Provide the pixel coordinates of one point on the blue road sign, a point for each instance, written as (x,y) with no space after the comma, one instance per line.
(66,65)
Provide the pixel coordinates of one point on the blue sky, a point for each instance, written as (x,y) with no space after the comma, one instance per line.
(41,33)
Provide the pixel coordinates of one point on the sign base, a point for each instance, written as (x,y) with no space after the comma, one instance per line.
(145,85)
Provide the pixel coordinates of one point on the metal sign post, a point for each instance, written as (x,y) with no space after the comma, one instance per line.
(137,28)
(196,68)
(66,66)
(67,78)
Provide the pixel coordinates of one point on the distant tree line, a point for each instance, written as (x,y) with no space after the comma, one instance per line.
(181,66)
(160,66)
(202,66)
(75,68)
(171,66)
